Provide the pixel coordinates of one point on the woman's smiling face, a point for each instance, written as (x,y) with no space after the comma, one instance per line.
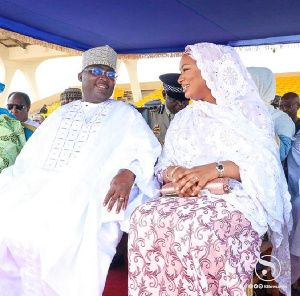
(192,82)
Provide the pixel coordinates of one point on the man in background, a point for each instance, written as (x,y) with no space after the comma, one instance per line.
(290,104)
(174,102)
(12,137)
(44,109)
(18,104)
(38,118)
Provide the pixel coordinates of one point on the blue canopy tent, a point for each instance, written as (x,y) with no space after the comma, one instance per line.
(139,26)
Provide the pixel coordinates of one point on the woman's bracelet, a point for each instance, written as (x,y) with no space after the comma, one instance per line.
(172,173)
(167,174)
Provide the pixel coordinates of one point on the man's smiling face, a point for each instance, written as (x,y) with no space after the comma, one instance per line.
(96,88)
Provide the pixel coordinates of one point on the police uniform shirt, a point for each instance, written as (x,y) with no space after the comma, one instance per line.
(160,121)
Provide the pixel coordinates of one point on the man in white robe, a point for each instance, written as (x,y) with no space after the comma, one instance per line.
(65,202)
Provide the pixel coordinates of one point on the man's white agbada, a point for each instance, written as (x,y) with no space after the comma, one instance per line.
(56,238)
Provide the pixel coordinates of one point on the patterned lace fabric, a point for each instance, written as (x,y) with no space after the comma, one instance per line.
(238,128)
(188,246)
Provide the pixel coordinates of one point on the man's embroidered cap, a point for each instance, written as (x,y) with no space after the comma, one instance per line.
(102,55)
(171,86)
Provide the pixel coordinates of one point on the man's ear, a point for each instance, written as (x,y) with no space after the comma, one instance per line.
(164,94)
(80,76)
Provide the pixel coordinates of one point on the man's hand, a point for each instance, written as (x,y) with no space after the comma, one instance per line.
(120,187)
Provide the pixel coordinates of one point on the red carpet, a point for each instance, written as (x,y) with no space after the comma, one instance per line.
(117,278)
(116,282)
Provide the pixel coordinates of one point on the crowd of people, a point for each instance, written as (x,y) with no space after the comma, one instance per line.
(95,169)
(289,103)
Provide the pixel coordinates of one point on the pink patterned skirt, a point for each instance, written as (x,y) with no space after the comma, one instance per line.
(190,247)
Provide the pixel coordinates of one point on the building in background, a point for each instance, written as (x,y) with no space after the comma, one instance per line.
(70,94)
(43,70)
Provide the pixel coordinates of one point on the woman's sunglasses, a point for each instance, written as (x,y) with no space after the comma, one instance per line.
(18,107)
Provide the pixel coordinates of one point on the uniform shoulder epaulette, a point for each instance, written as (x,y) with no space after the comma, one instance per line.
(161,109)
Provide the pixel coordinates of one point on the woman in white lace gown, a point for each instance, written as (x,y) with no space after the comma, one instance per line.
(209,244)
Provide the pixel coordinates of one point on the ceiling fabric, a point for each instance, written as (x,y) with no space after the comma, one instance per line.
(149,26)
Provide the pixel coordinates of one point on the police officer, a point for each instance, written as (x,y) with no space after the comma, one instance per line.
(174,102)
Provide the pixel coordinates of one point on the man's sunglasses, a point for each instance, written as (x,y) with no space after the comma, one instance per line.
(18,107)
(99,72)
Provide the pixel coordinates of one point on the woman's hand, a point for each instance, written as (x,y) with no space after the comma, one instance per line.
(180,171)
(120,187)
(189,182)
(171,172)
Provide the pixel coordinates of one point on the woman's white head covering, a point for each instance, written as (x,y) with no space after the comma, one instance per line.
(266,85)
(265,82)
(238,128)
(230,84)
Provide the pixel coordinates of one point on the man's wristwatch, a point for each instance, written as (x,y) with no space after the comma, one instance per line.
(220,169)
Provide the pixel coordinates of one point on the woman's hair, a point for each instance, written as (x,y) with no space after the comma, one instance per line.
(23,95)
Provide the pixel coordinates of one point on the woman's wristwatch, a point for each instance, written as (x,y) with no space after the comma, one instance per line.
(220,169)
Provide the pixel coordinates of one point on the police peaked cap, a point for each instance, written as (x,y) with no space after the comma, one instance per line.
(172,87)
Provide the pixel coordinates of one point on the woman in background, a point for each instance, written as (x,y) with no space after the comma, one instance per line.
(283,124)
